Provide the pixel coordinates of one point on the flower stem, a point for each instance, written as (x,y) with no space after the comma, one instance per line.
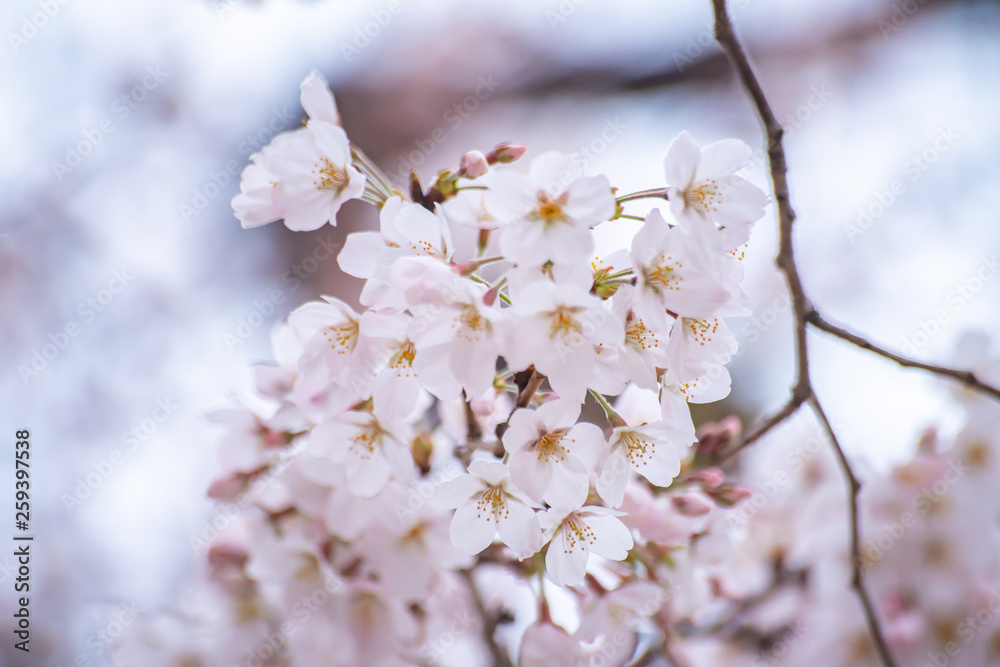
(366,165)
(614,418)
(655,193)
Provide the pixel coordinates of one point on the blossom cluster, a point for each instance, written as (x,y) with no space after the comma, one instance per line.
(439,431)
(493,460)
(486,287)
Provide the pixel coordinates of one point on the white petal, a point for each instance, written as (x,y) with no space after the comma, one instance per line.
(613,539)
(457,491)
(722,158)
(613,478)
(681,161)
(470,532)
(317,100)
(519,529)
(529,474)
(369,477)
(360,250)
(565,566)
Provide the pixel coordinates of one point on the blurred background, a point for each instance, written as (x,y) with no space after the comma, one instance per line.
(133,301)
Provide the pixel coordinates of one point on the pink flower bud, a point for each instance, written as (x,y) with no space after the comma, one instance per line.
(731,496)
(466,268)
(709,478)
(690,504)
(506,153)
(491,296)
(227,487)
(473,165)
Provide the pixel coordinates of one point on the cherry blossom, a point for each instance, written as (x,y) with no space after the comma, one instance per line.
(551,455)
(704,185)
(487,504)
(547,214)
(576,533)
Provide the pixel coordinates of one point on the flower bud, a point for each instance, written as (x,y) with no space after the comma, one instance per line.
(506,153)
(690,504)
(730,496)
(709,478)
(473,165)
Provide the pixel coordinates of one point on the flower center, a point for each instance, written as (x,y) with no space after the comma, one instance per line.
(549,211)
(329,176)
(343,337)
(639,337)
(577,534)
(638,449)
(549,445)
(492,505)
(368,437)
(662,275)
(472,323)
(402,361)
(563,322)
(704,197)
(701,331)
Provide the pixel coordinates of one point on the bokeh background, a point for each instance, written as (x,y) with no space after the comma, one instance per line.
(124,127)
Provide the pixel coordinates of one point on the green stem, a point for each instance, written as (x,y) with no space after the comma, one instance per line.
(614,418)
(655,193)
(617,274)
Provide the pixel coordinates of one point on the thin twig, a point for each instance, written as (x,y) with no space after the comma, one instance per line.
(793,404)
(804,312)
(497,652)
(526,394)
(965,377)
(785,259)
(857,582)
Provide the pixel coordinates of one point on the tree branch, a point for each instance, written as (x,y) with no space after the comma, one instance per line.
(793,404)
(854,487)
(804,312)
(965,377)
(497,652)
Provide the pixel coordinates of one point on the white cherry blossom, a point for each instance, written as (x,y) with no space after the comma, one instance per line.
(576,533)
(548,214)
(487,504)
(371,451)
(558,328)
(551,455)
(704,186)
(674,271)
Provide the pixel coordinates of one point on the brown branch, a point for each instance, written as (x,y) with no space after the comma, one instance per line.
(525,395)
(965,377)
(497,652)
(802,308)
(528,387)
(785,259)
(857,582)
(793,404)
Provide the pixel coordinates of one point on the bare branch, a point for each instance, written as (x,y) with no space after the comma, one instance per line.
(497,652)
(965,377)
(854,487)
(793,404)
(802,308)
